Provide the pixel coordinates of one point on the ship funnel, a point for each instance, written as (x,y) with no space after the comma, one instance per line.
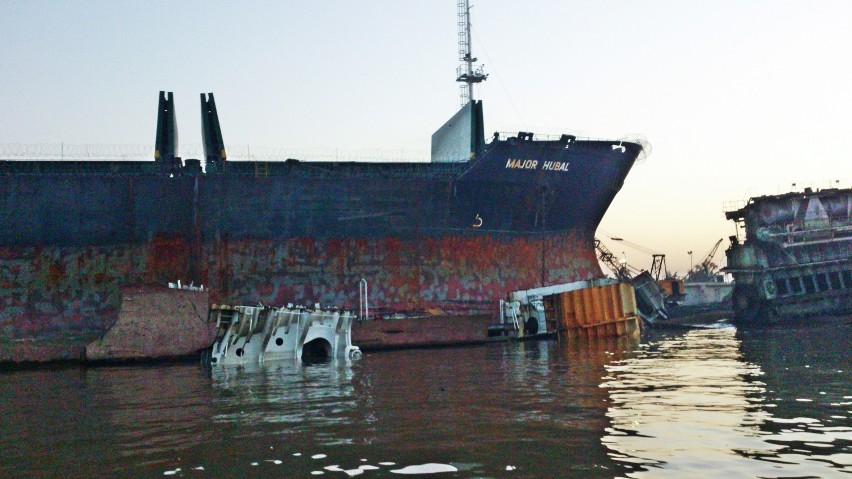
(211,133)
(166,143)
(462,137)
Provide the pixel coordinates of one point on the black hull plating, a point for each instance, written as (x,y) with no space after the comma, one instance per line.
(454,237)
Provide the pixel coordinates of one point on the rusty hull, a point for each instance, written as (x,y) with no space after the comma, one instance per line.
(68,296)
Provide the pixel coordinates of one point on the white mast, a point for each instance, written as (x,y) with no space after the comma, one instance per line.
(466,73)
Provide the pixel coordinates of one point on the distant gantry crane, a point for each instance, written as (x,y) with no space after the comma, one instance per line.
(658,266)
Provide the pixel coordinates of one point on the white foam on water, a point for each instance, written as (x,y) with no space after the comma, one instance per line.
(318,456)
(297,454)
(351,472)
(387,463)
(171,473)
(795,420)
(430,468)
(255,463)
(317,473)
(199,468)
(835,429)
(274,461)
(804,400)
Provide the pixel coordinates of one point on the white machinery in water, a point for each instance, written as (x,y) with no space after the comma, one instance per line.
(253,334)
(524,312)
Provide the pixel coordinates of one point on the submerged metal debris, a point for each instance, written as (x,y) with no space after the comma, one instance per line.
(252,334)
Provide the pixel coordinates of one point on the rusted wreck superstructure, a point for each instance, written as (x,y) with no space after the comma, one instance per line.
(796,257)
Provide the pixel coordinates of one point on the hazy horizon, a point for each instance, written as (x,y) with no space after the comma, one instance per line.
(737,99)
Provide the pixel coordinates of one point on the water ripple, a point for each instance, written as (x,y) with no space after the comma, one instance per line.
(692,406)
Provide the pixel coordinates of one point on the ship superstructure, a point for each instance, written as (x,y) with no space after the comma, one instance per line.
(796,257)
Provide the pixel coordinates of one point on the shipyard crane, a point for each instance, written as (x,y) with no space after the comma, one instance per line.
(649,295)
(658,266)
(706,269)
(658,260)
(622,270)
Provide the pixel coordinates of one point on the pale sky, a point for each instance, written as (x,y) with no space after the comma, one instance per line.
(738,98)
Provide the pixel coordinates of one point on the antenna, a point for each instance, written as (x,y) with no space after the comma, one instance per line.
(466,73)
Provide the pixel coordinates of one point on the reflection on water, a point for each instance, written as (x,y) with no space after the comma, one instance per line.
(685,404)
(292,396)
(706,404)
(808,402)
(700,403)
(77,422)
(514,410)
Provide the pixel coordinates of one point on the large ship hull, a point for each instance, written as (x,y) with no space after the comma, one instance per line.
(449,236)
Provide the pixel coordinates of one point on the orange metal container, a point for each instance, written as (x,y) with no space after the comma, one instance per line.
(596,312)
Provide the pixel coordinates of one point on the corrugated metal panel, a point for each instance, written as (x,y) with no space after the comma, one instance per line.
(597,312)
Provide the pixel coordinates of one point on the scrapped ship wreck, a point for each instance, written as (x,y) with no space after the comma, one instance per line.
(796,257)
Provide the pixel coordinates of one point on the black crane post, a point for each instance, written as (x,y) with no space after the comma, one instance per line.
(166,143)
(211,132)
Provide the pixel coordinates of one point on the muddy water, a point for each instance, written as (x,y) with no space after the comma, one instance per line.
(710,402)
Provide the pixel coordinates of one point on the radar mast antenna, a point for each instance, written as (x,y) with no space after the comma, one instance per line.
(467,74)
